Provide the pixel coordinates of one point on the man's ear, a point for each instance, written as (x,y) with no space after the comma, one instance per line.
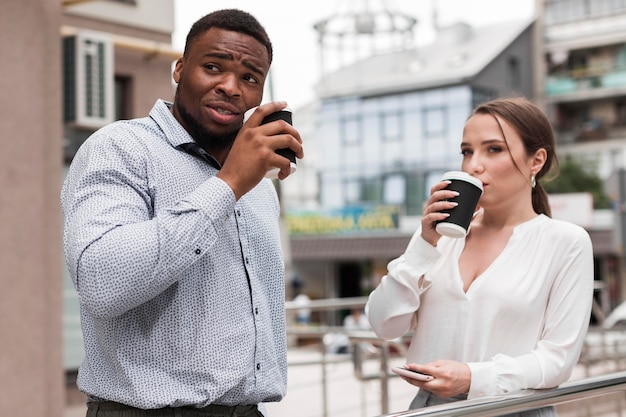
(177,70)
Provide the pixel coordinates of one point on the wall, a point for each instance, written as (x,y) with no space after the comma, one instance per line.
(151,78)
(497,75)
(31,374)
(154,15)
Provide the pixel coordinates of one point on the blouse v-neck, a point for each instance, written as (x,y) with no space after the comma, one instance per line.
(476,282)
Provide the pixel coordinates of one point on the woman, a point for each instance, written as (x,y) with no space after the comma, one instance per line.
(507,307)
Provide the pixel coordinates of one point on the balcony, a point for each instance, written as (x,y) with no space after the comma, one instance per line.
(585,83)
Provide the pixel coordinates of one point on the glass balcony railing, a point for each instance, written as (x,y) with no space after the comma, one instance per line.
(585,79)
(568,11)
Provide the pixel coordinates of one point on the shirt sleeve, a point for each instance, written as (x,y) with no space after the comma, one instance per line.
(558,349)
(391,306)
(120,252)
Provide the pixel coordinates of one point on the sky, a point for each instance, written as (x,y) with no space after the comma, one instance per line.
(296,67)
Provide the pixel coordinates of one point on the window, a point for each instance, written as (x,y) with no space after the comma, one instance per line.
(123,104)
(391,126)
(480,96)
(350,131)
(352,191)
(515,77)
(620,112)
(415,195)
(395,190)
(434,122)
(371,190)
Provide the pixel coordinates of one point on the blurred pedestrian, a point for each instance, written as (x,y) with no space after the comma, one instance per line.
(356,320)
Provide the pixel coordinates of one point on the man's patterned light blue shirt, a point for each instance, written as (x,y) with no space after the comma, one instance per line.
(181,287)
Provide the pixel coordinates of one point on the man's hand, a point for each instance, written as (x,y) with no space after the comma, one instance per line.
(254,150)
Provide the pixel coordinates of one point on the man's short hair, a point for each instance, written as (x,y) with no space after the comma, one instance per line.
(234,20)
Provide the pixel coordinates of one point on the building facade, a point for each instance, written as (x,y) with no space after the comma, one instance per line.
(583,44)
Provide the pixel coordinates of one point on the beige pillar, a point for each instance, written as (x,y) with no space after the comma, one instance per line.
(31,370)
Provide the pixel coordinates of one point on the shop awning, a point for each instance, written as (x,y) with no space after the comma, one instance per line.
(391,245)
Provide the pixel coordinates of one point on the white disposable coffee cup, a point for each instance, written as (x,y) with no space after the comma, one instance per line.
(470,189)
(286,115)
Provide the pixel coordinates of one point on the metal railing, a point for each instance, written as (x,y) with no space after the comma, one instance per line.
(322,329)
(484,407)
(525,400)
(356,338)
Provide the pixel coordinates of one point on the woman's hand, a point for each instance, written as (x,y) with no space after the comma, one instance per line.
(452,378)
(433,210)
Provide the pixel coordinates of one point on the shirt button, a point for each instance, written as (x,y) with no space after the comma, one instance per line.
(198,251)
(247,260)
(238,212)
(258,366)
(256,310)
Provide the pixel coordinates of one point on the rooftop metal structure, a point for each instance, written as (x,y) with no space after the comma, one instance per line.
(361,28)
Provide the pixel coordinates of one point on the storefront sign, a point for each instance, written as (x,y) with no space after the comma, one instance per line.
(347,219)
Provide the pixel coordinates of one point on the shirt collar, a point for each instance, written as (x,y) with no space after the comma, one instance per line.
(176,134)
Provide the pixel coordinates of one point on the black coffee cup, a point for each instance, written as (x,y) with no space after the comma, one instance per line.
(470,189)
(286,115)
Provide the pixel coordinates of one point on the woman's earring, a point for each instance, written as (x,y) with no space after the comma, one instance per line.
(533,181)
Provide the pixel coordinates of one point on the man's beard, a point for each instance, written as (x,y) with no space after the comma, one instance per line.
(203,137)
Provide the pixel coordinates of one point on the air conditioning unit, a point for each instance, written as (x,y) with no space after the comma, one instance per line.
(88,80)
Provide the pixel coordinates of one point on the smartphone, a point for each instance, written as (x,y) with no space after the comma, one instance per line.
(409,373)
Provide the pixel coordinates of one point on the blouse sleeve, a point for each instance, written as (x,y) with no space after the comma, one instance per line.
(391,306)
(558,349)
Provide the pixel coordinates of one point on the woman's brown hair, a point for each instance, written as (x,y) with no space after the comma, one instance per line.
(535,131)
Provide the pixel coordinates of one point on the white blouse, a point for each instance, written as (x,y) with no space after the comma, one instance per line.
(522,322)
